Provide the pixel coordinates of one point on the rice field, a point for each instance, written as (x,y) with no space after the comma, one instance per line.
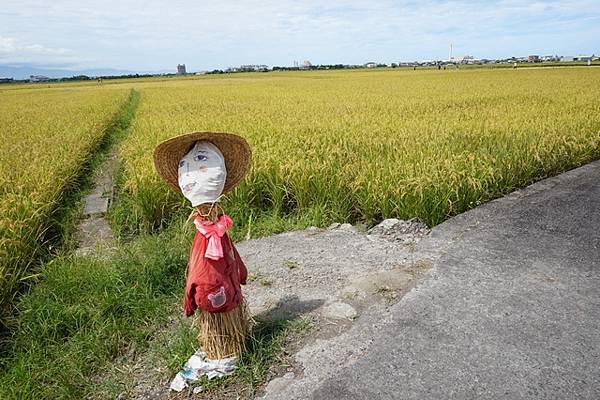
(47,134)
(328,146)
(361,146)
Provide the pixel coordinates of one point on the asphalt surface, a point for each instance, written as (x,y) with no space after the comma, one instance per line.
(510,309)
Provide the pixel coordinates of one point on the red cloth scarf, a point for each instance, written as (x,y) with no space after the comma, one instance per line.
(215,270)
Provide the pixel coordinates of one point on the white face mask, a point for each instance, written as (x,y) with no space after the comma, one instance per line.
(202,173)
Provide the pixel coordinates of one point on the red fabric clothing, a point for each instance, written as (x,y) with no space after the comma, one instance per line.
(214,285)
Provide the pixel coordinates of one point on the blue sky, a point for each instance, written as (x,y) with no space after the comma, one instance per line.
(150,35)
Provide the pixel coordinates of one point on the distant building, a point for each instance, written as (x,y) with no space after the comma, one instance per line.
(250,68)
(533,58)
(38,78)
(577,58)
(306,65)
(370,64)
(181,69)
(6,80)
(550,58)
(584,58)
(466,59)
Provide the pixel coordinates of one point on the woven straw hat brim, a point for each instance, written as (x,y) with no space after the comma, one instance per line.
(235,149)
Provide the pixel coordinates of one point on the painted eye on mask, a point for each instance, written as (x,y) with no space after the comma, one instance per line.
(200,157)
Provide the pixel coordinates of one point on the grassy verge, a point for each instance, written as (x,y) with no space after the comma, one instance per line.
(84,312)
(127,220)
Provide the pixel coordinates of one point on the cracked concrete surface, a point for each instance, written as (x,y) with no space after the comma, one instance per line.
(509,310)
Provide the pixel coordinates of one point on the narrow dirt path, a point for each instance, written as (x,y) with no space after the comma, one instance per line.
(94,234)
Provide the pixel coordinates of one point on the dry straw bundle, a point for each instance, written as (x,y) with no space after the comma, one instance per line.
(224,334)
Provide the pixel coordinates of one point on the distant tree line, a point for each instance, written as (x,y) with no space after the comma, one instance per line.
(82,78)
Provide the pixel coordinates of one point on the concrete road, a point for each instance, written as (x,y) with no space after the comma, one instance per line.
(510,310)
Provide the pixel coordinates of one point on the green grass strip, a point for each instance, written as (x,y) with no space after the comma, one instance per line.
(84,312)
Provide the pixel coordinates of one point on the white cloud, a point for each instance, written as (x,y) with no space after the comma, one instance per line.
(14,51)
(154,34)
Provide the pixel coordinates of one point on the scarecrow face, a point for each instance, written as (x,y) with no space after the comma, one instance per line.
(202,173)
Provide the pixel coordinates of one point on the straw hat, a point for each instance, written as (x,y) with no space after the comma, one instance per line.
(235,149)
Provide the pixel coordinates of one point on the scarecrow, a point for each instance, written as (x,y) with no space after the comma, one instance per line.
(203,166)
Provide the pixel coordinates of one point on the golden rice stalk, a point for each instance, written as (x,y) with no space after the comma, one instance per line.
(224,334)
